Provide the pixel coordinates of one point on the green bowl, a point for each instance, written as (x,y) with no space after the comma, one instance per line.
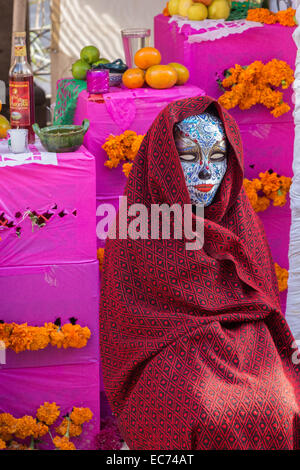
(60,139)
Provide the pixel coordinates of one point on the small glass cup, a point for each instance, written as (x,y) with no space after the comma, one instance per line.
(133,40)
(17,140)
(97,81)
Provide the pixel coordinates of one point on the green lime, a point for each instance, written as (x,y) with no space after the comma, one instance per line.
(90,54)
(79,69)
(101,61)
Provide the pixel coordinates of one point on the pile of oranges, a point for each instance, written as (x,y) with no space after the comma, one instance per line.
(150,71)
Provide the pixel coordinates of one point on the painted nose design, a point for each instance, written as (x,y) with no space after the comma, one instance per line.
(204,174)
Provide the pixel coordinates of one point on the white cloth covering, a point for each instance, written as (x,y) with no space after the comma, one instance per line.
(293,297)
(213,29)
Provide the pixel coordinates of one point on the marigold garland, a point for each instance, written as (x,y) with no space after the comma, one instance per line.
(123,147)
(48,413)
(80,415)
(35,428)
(253,84)
(74,429)
(22,337)
(263,15)
(63,443)
(272,186)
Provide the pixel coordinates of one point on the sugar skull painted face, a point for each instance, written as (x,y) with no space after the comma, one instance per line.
(201,144)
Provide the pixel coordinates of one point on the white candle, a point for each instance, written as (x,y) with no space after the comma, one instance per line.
(17,140)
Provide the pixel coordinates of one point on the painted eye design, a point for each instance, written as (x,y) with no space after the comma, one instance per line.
(217,157)
(188,158)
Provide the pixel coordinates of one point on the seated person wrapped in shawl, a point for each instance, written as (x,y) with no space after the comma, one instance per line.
(196,353)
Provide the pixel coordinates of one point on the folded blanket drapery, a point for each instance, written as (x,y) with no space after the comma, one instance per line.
(196,353)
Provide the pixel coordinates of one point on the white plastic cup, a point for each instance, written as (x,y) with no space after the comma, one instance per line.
(17,140)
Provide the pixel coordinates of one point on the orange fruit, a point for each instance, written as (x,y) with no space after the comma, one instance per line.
(4,126)
(0,105)
(161,76)
(182,73)
(146,57)
(134,78)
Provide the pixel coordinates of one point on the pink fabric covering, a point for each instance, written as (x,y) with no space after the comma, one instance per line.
(267,141)
(68,186)
(22,391)
(51,272)
(264,137)
(205,60)
(122,110)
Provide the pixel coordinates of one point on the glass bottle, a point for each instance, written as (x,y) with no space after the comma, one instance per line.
(21,92)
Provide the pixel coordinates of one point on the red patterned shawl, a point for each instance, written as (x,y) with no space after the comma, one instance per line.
(196,353)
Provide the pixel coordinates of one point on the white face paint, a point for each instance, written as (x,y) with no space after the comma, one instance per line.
(201,144)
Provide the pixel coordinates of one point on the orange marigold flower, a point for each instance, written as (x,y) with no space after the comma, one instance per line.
(2,444)
(39,338)
(74,429)
(48,413)
(40,430)
(253,84)
(270,182)
(270,98)
(63,443)
(122,147)
(286,17)
(26,426)
(81,415)
(20,338)
(57,338)
(5,332)
(279,200)
(261,15)
(280,110)
(282,275)
(8,426)
(274,187)
(278,73)
(285,183)
(262,204)
(127,168)
(100,256)
(232,75)
(230,99)
(75,336)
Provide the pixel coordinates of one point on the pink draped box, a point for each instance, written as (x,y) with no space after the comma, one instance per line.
(65,190)
(268,141)
(265,138)
(49,272)
(22,391)
(122,110)
(39,294)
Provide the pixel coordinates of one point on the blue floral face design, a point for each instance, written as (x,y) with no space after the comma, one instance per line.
(201,144)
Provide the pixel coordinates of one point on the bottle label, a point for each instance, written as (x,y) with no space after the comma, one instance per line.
(19,97)
(20,51)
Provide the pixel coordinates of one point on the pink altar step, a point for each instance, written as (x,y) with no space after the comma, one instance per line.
(22,392)
(49,270)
